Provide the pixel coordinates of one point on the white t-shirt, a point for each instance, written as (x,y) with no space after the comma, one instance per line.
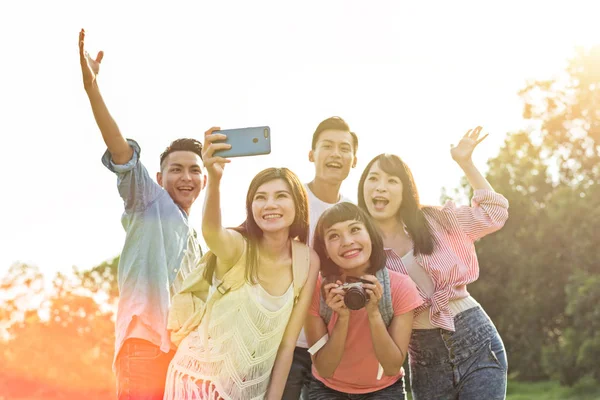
(316,208)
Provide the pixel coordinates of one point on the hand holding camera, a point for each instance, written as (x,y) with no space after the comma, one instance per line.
(334,297)
(374,290)
(355,293)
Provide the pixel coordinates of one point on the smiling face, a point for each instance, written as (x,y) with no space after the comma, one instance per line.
(273,206)
(333,155)
(349,246)
(382,193)
(182,178)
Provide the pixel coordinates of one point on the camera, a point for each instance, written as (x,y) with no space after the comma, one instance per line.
(355,296)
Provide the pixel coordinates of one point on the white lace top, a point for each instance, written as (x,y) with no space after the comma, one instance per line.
(245,329)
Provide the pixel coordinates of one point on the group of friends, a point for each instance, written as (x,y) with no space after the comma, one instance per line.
(379,281)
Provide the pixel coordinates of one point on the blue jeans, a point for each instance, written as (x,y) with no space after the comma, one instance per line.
(296,386)
(468,364)
(141,370)
(319,391)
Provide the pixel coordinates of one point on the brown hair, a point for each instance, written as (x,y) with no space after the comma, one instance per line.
(335,123)
(411,212)
(341,212)
(184,144)
(250,229)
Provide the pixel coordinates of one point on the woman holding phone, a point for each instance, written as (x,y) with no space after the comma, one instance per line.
(251,334)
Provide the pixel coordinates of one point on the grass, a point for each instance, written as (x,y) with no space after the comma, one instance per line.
(587,389)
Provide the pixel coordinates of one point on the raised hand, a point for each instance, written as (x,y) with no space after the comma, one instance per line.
(89,67)
(461,153)
(214,165)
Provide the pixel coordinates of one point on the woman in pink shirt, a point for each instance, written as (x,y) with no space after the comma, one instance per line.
(455,351)
(357,354)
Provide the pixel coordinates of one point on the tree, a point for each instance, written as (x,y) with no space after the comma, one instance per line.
(529,270)
(62,350)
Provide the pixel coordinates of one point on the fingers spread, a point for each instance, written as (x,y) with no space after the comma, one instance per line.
(475,133)
(481,139)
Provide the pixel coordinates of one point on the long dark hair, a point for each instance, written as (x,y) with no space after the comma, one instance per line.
(342,212)
(250,229)
(411,212)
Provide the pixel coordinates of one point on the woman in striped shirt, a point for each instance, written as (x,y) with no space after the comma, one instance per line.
(455,350)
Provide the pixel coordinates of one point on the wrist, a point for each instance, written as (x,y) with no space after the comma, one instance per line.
(92,89)
(343,318)
(213,182)
(374,315)
(464,164)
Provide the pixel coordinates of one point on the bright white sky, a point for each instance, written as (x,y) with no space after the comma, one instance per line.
(409,79)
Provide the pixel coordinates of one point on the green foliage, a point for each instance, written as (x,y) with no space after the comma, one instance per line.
(539,280)
(539,274)
(576,353)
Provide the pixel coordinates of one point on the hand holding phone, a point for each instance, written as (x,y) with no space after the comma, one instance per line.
(212,144)
(245,142)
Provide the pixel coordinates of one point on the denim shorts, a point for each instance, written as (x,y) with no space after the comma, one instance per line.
(318,391)
(469,363)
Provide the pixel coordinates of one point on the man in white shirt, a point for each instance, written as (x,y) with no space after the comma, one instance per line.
(333,153)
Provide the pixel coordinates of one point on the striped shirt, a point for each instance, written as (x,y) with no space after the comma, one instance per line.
(453,263)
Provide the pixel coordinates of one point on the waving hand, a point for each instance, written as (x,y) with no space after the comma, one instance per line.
(90,67)
(462,152)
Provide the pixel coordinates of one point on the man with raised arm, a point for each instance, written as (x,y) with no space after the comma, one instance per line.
(160,248)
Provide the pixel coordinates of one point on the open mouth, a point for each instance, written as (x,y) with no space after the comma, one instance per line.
(380,203)
(335,165)
(272,216)
(351,253)
(185,188)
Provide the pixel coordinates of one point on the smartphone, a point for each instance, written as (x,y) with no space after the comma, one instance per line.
(246,142)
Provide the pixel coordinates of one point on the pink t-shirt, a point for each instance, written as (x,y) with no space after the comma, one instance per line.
(357,371)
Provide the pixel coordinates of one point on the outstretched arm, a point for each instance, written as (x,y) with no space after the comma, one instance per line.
(226,244)
(489,210)
(118,147)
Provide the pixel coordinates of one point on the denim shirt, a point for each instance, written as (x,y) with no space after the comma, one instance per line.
(157,236)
